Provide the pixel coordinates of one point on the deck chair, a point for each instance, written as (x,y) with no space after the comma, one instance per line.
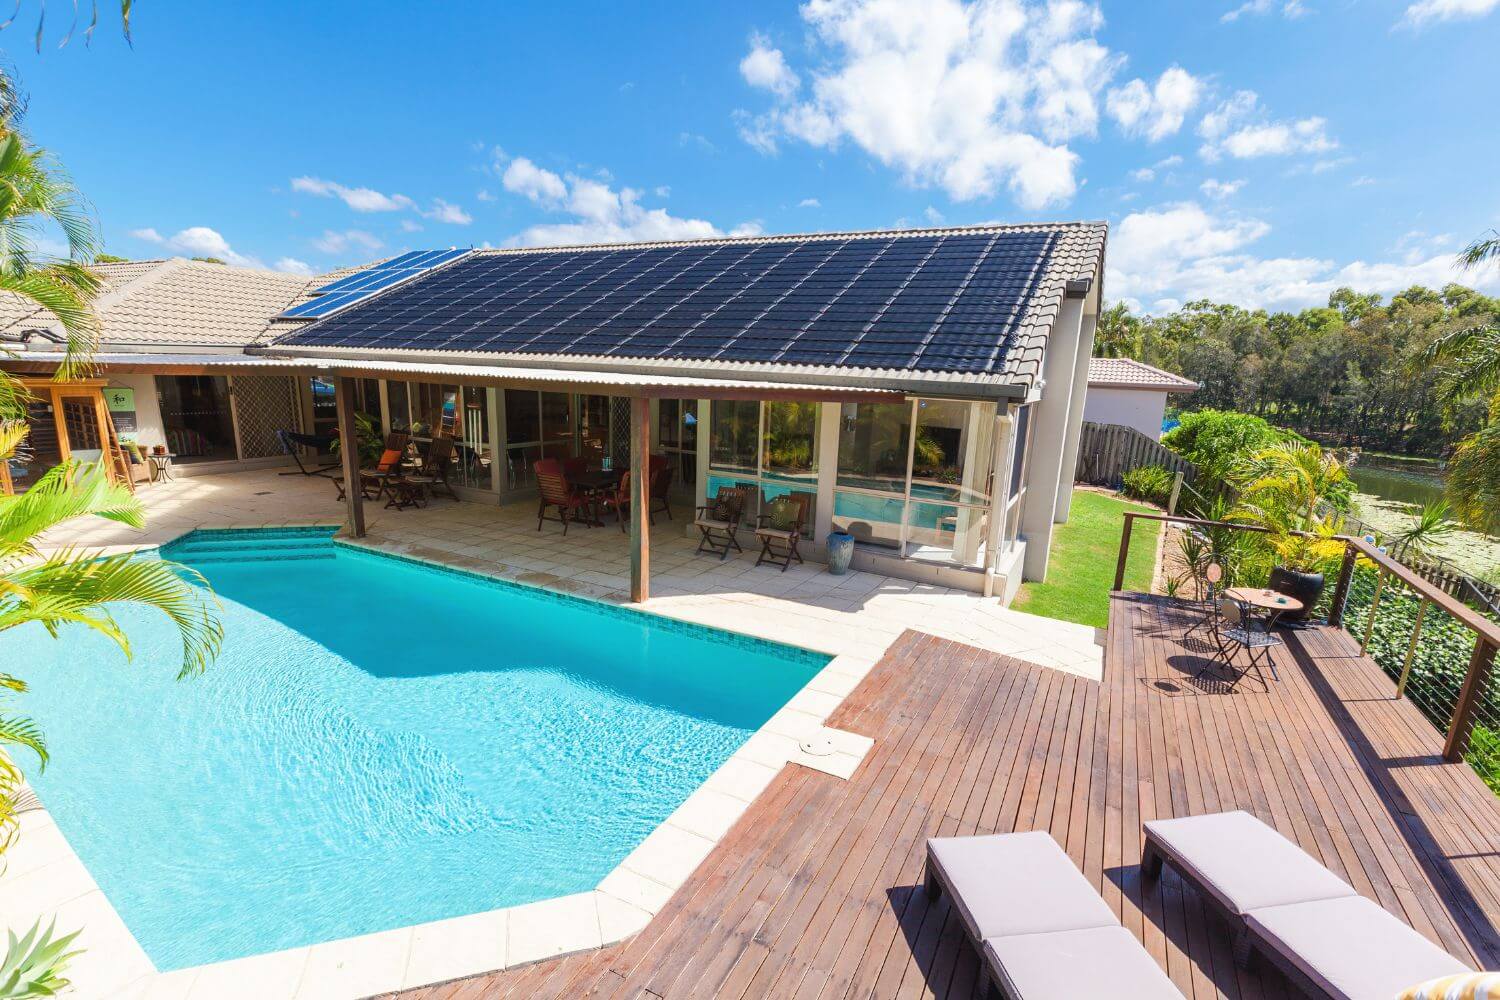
(1233,631)
(292,444)
(435,467)
(555,492)
(779,529)
(718,521)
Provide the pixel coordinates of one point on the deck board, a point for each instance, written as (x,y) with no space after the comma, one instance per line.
(816,891)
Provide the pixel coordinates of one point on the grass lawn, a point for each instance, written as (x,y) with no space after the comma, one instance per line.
(1082,567)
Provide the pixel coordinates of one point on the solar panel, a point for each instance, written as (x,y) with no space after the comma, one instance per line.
(336,295)
(941,302)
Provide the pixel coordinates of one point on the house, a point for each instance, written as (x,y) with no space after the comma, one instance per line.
(922,390)
(1132,393)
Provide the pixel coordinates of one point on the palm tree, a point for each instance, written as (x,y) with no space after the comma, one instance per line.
(1433,523)
(1473,485)
(88,34)
(1118,333)
(1286,489)
(1486,248)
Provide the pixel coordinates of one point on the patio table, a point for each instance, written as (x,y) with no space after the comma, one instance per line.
(1270,604)
(591,483)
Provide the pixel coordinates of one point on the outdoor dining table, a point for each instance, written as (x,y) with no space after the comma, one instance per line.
(591,483)
(1270,604)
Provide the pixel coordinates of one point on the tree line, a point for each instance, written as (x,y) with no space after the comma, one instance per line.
(1358,372)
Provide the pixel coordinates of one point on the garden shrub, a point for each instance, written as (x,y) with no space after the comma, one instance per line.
(1152,483)
(1484,756)
(1217,442)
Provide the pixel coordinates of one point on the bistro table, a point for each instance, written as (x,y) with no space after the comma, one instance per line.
(161,466)
(591,483)
(1271,604)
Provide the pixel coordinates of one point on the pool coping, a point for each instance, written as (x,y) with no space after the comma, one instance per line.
(622,903)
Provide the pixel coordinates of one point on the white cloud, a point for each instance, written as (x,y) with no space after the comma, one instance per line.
(1426,11)
(361,199)
(1155,112)
(197,241)
(1241,128)
(766,68)
(343,242)
(972,97)
(531,181)
(598,212)
(1290,9)
(443,211)
(1218,189)
(1177,253)
(1146,174)
(932,215)
(291,265)
(484,195)
(1143,174)
(410,226)
(809,203)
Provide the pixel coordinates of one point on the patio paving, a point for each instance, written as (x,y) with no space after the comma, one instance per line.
(857,615)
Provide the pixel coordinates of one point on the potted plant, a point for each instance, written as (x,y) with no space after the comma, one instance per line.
(1296,491)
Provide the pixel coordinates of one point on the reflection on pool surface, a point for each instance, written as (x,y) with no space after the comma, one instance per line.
(380,744)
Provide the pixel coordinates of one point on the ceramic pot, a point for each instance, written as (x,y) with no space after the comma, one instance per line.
(1305,587)
(840,551)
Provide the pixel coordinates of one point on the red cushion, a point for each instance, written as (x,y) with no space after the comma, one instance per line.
(390,457)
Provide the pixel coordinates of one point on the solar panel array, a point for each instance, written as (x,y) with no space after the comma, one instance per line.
(338,294)
(933,302)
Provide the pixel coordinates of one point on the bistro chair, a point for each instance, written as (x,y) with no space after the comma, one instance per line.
(718,521)
(1213,578)
(779,529)
(660,488)
(435,467)
(1234,631)
(555,492)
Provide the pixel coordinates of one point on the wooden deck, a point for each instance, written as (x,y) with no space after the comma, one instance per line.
(816,892)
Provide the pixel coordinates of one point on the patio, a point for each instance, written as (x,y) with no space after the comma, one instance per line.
(856,616)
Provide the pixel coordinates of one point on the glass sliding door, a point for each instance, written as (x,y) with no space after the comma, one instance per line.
(677,436)
(199,424)
(537,425)
(869,497)
(771,449)
(472,454)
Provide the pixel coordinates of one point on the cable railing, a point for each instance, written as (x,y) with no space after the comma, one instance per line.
(1438,649)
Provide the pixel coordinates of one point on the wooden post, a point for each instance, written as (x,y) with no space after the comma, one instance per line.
(640,499)
(1124,551)
(1341,589)
(1411,649)
(1176,492)
(1475,682)
(343,396)
(1374,607)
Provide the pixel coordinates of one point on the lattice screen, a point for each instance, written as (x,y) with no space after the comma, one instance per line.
(264,404)
(619,430)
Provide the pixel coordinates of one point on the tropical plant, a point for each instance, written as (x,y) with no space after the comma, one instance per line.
(33,965)
(371,441)
(1152,483)
(1473,486)
(1432,524)
(88,33)
(1286,489)
(1217,442)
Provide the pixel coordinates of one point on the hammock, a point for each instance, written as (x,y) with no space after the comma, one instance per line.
(292,443)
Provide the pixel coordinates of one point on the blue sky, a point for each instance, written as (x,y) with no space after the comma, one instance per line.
(1260,152)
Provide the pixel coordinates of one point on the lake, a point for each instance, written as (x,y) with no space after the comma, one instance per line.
(1413,481)
(1391,493)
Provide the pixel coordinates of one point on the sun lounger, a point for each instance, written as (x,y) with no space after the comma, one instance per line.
(1311,924)
(1042,929)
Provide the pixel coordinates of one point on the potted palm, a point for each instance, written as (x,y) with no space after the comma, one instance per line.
(1295,490)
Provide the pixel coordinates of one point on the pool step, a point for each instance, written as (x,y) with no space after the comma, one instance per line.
(220,545)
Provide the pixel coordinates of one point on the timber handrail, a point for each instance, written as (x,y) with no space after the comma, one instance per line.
(1486,632)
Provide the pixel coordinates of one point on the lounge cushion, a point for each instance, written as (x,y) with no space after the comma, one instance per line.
(1464,986)
(1243,863)
(1065,965)
(1351,947)
(773,533)
(1016,883)
(708,522)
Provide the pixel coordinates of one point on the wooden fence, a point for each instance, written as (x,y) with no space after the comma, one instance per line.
(1107,451)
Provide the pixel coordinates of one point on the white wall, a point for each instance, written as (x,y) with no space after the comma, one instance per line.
(149,427)
(1142,409)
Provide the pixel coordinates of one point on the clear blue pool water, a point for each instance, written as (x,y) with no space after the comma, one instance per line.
(380,744)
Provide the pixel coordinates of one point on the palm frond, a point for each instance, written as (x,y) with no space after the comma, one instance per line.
(63,493)
(67,589)
(20,731)
(12,432)
(1483,249)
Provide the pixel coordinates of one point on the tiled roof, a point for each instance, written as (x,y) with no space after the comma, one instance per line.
(177,304)
(1128,373)
(974,303)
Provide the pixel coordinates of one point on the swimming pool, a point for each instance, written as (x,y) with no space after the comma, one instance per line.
(381,743)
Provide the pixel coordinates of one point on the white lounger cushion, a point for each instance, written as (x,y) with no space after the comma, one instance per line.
(1016,883)
(1096,962)
(1244,863)
(1351,947)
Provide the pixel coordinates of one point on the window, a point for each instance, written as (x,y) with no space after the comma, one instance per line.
(677,435)
(436,410)
(537,425)
(397,401)
(1018,469)
(769,448)
(195,414)
(472,456)
(917,477)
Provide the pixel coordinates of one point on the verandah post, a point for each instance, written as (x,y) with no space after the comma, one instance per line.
(640,499)
(1124,551)
(1341,589)
(343,396)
